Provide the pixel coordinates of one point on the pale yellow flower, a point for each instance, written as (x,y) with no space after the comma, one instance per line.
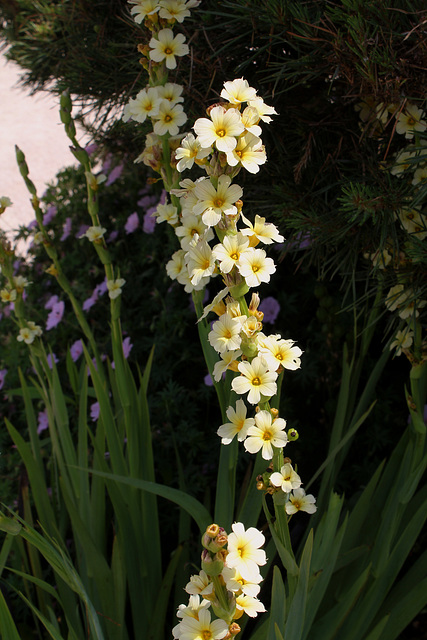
(410,120)
(146,104)
(166,46)
(261,231)
(238,91)
(255,267)
(266,434)
(189,152)
(174,10)
(282,352)
(8,295)
(249,152)
(287,479)
(201,263)
(238,425)
(143,8)
(402,340)
(94,234)
(169,119)
(225,334)
(215,201)
(298,501)
(255,380)
(221,129)
(115,287)
(264,110)
(244,553)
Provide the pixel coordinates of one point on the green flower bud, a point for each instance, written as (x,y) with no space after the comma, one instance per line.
(292,435)
(212,565)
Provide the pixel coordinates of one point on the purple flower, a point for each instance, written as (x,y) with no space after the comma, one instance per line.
(53,300)
(55,316)
(132,223)
(113,236)
(32,225)
(127,347)
(270,308)
(82,230)
(49,360)
(114,175)
(147,201)
(208,380)
(88,303)
(3,373)
(90,148)
(107,164)
(94,411)
(149,223)
(50,214)
(16,265)
(66,229)
(43,422)
(100,289)
(76,350)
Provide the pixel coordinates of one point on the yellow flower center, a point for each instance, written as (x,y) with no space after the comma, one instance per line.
(411,121)
(256,382)
(255,268)
(206,634)
(218,203)
(206,264)
(220,133)
(234,256)
(267,435)
(193,231)
(168,118)
(296,504)
(168,51)
(239,153)
(227,334)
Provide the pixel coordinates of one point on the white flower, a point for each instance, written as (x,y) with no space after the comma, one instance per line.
(235,583)
(94,234)
(266,434)
(244,553)
(250,119)
(193,607)
(264,110)
(176,264)
(191,227)
(410,120)
(413,222)
(166,47)
(213,202)
(35,328)
(228,253)
(256,380)
(201,263)
(8,295)
(221,129)
(203,628)
(26,335)
(171,92)
(189,151)
(169,119)
(402,340)
(174,10)
(238,91)
(280,352)
(261,231)
(227,359)
(287,479)
(225,334)
(166,213)
(145,104)
(249,605)
(115,287)
(255,267)
(396,297)
(238,425)
(143,8)
(199,584)
(298,501)
(249,152)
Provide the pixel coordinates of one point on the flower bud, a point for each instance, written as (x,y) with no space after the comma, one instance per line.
(212,565)
(292,435)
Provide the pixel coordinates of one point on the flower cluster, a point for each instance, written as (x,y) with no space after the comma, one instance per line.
(28,333)
(409,164)
(227,585)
